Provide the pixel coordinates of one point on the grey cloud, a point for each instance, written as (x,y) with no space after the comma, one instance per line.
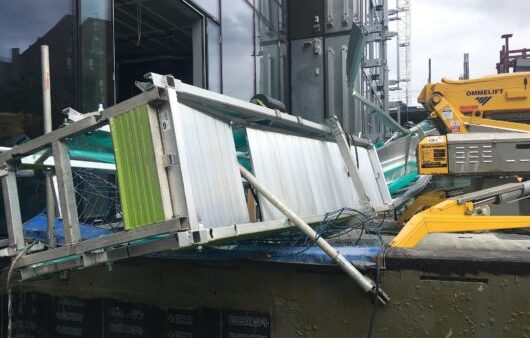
(445,30)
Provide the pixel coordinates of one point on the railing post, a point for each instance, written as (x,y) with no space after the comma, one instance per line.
(67,200)
(12,208)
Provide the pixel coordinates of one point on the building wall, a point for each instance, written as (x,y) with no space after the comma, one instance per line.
(276,300)
(291,50)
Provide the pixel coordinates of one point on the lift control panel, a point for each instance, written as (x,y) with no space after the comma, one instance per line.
(432,156)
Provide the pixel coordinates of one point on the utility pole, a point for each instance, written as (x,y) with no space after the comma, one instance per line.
(47,109)
(429,78)
(466,66)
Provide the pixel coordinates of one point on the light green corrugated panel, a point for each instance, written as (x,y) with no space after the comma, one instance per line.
(356,46)
(140,193)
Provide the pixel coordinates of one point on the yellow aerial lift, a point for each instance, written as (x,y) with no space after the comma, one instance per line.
(483,123)
(469,212)
(498,102)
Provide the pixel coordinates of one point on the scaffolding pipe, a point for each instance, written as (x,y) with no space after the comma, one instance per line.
(47,110)
(364,282)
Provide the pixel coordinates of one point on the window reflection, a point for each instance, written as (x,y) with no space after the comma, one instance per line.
(25,26)
(214,57)
(210,6)
(97,63)
(269,35)
(238,49)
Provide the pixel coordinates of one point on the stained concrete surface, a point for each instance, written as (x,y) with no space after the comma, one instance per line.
(312,301)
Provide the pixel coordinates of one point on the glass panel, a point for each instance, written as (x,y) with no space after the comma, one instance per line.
(238,49)
(211,6)
(157,36)
(269,35)
(267,49)
(214,57)
(25,25)
(97,60)
(271,13)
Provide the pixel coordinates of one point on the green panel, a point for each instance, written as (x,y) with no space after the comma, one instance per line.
(95,146)
(356,46)
(140,193)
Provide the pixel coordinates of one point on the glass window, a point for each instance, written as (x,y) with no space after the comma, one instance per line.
(210,6)
(270,60)
(25,25)
(97,59)
(268,67)
(238,49)
(214,57)
(273,13)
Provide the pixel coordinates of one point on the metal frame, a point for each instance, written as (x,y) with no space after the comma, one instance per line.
(469,212)
(351,165)
(168,235)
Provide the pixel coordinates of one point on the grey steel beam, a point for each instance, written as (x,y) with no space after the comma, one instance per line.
(100,243)
(351,166)
(45,140)
(67,200)
(81,126)
(180,240)
(236,110)
(115,244)
(385,118)
(124,245)
(505,190)
(153,94)
(227,106)
(364,282)
(12,208)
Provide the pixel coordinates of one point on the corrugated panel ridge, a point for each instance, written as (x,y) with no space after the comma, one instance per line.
(140,192)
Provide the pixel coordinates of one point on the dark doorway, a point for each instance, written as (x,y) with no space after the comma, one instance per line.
(161,36)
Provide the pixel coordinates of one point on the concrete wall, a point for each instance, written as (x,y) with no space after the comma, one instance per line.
(305,301)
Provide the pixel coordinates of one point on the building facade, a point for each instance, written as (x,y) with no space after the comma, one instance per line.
(292,50)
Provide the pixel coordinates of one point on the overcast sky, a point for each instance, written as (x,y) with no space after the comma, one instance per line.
(444,30)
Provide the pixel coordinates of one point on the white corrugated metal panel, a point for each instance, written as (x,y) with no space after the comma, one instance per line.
(368,174)
(208,160)
(372,176)
(309,175)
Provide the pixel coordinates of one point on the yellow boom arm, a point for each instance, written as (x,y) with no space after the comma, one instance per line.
(461,214)
(489,102)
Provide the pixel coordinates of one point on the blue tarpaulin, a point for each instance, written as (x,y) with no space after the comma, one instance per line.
(293,255)
(36,229)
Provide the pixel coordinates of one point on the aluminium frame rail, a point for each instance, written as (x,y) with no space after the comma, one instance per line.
(167,235)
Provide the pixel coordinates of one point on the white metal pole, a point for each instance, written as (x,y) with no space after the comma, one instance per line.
(364,282)
(47,110)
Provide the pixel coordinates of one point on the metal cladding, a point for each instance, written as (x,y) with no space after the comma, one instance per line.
(372,176)
(308,174)
(140,192)
(208,161)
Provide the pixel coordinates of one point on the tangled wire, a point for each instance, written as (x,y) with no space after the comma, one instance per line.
(337,226)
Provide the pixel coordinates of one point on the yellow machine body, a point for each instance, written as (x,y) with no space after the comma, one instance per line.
(493,103)
(450,216)
(497,101)
(432,156)
(421,203)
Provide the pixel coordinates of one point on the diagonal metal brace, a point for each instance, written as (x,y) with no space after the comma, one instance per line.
(351,165)
(364,282)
